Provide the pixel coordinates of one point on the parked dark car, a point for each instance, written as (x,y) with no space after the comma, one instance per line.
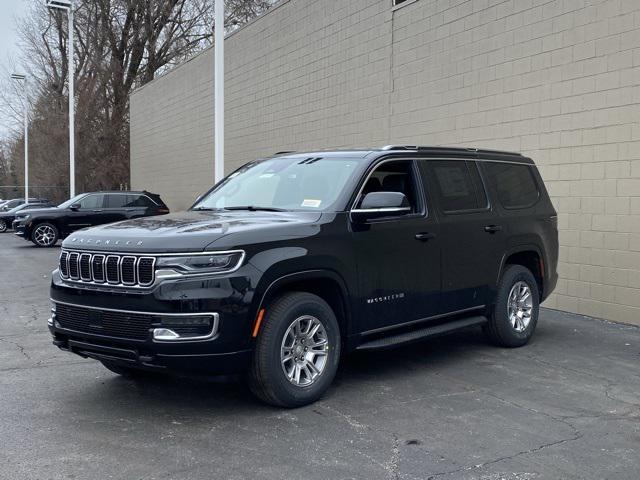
(294,260)
(13,203)
(45,226)
(7,218)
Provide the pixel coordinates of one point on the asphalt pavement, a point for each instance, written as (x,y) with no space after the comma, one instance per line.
(566,406)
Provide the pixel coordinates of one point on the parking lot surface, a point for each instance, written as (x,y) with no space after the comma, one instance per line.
(565,406)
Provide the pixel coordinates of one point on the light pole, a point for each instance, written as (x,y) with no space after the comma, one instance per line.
(219,90)
(67,6)
(23,79)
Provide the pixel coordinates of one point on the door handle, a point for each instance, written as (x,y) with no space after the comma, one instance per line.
(425,236)
(98,210)
(493,228)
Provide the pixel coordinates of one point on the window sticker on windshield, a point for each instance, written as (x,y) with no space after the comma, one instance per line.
(308,202)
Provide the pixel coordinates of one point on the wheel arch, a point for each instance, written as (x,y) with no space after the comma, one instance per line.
(528,256)
(327,284)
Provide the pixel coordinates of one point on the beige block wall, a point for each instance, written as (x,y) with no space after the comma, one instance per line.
(558,80)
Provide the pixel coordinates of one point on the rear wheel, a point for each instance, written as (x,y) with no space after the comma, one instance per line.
(3,226)
(515,314)
(45,235)
(297,352)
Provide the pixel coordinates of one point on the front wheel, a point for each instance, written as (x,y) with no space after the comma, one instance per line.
(3,226)
(45,235)
(515,314)
(297,352)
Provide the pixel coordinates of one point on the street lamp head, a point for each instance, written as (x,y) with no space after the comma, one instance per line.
(18,76)
(59,4)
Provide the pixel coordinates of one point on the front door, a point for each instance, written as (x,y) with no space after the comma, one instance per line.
(90,212)
(471,233)
(398,257)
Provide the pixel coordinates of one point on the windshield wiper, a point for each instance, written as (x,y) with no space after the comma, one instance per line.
(253,208)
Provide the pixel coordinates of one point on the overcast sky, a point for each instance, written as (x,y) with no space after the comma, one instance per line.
(9,10)
(8,37)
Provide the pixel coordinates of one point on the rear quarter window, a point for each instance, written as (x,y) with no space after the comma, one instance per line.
(514,184)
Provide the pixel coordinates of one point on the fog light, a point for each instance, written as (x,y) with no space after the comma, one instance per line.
(186,327)
(164,334)
(177,321)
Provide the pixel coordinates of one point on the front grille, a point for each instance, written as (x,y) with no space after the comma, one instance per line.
(122,270)
(85,267)
(64,266)
(73,265)
(127,325)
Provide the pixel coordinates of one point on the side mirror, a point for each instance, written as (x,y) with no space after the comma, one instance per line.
(381,204)
(75,206)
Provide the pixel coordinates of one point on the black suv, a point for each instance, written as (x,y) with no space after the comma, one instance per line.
(16,202)
(7,218)
(45,226)
(294,260)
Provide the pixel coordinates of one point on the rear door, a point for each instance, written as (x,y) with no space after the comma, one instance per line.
(472,236)
(398,257)
(116,207)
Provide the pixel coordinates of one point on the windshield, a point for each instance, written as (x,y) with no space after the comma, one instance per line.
(71,201)
(17,209)
(298,183)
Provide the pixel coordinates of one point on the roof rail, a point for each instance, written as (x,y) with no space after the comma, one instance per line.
(440,148)
(285,151)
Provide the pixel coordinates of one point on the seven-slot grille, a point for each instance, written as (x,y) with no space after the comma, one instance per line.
(110,269)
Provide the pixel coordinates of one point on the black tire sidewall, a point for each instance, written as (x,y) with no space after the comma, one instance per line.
(55,229)
(3,226)
(269,345)
(501,326)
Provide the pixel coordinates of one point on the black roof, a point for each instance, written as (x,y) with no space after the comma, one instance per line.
(135,192)
(432,151)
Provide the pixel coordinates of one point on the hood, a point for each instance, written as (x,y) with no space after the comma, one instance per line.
(35,211)
(194,231)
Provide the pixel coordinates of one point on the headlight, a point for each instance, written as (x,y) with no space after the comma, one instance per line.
(202,263)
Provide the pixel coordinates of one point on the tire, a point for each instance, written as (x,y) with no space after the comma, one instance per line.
(507,328)
(3,226)
(45,235)
(275,379)
(124,371)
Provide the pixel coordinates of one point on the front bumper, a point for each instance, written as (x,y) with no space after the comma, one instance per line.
(20,229)
(136,356)
(227,350)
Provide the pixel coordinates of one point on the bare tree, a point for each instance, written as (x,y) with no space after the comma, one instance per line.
(120,45)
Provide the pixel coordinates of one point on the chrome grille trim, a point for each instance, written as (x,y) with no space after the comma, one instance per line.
(97,259)
(133,270)
(71,262)
(80,269)
(106,269)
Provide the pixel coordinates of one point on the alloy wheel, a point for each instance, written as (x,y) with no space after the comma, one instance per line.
(3,226)
(44,235)
(520,306)
(303,354)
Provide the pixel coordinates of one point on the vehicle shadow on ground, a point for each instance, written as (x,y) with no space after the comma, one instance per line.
(155,393)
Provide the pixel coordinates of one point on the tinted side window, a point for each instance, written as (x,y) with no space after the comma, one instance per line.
(515,184)
(138,201)
(394,176)
(91,201)
(457,185)
(116,201)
